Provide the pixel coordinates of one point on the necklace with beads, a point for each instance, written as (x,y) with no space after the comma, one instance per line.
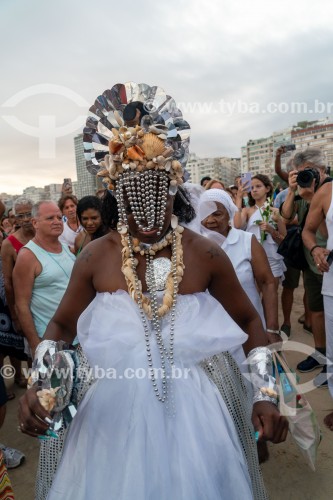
(130,264)
(148,306)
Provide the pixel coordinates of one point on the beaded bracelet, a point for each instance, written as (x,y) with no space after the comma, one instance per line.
(314,246)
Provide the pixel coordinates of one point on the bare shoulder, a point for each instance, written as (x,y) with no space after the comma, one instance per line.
(99,249)
(7,248)
(25,257)
(202,247)
(323,196)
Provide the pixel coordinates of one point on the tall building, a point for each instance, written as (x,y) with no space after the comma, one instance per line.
(317,134)
(86,182)
(223,168)
(53,192)
(34,194)
(258,156)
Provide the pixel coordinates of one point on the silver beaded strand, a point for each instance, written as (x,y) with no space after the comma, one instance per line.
(162,395)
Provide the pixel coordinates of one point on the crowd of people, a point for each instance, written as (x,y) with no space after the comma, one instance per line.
(162,274)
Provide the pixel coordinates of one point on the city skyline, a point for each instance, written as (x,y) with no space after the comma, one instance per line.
(238,70)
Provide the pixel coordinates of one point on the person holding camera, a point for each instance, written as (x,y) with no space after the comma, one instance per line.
(308,176)
(322,209)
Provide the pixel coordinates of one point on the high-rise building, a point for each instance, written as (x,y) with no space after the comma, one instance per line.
(35,194)
(53,192)
(317,134)
(223,168)
(86,182)
(258,156)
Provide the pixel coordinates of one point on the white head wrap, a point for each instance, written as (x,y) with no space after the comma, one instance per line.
(207,203)
(207,206)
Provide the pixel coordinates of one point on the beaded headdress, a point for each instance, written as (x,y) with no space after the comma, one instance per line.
(136,129)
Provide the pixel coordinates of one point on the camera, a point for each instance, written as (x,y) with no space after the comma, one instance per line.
(290,147)
(305,177)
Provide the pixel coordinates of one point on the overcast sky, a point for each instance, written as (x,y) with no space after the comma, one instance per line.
(56,57)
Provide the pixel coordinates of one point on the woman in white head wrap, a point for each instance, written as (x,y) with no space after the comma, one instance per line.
(216,211)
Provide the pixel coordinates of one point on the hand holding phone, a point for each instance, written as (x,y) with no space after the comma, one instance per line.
(246,181)
(290,147)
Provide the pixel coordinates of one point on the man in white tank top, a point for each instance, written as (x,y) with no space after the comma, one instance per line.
(321,209)
(41,273)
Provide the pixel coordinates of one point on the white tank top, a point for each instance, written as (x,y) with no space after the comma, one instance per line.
(328,277)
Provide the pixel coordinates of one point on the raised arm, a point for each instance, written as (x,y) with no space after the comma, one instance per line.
(283,174)
(288,207)
(240,217)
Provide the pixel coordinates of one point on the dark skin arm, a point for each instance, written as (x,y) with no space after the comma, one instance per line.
(225,287)
(266,417)
(265,280)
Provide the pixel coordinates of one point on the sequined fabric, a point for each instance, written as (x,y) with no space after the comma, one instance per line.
(224,372)
(51,451)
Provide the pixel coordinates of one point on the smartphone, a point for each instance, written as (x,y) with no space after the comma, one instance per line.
(290,147)
(329,259)
(246,180)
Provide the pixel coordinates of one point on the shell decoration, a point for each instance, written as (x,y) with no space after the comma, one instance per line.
(47,398)
(139,150)
(152,146)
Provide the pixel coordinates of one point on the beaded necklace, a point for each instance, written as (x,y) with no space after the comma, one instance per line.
(149,309)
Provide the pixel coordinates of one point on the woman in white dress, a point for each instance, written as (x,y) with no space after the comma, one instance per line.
(269,232)
(216,212)
(155,424)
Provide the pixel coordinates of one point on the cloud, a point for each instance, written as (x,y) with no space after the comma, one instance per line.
(236,51)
